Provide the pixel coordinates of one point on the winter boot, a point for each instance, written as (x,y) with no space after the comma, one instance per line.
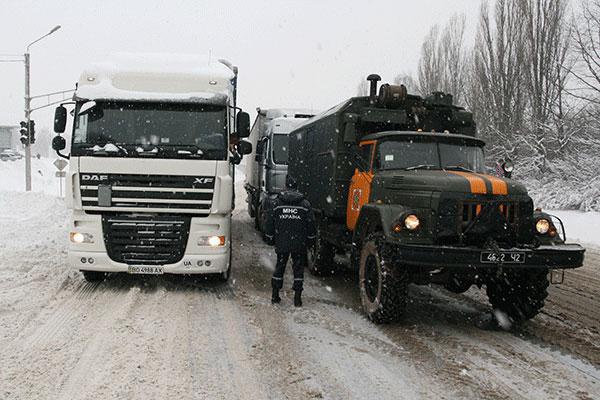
(298,298)
(275,296)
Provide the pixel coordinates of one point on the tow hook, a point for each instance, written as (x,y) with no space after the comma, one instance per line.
(557,276)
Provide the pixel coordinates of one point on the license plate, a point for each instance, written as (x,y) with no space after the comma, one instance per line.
(145,269)
(502,257)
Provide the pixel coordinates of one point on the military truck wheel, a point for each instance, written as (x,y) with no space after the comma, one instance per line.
(519,294)
(93,276)
(383,285)
(458,285)
(320,257)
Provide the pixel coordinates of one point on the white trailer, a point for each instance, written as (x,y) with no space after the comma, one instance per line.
(150,177)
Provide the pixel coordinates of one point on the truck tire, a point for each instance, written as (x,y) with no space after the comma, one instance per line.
(520,294)
(383,284)
(93,276)
(320,257)
(458,285)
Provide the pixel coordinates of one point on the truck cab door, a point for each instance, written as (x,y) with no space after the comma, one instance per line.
(360,185)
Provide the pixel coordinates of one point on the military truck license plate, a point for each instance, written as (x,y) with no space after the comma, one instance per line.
(502,257)
(142,269)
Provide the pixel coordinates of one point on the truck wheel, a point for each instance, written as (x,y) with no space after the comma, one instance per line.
(383,285)
(519,294)
(251,209)
(458,285)
(93,276)
(320,257)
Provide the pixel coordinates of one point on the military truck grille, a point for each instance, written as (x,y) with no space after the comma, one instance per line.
(151,240)
(470,210)
(155,193)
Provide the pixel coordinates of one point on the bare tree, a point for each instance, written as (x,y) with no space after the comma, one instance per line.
(407,80)
(586,39)
(546,43)
(362,89)
(442,63)
(497,74)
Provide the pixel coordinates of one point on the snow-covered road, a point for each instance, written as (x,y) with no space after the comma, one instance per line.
(171,337)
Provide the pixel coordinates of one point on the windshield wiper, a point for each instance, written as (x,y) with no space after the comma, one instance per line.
(458,167)
(420,166)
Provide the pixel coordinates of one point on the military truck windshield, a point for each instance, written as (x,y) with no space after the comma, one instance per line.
(163,130)
(280,149)
(411,155)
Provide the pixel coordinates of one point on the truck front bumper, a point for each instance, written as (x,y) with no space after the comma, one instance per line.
(563,256)
(190,264)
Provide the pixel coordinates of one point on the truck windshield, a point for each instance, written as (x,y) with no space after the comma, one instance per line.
(165,130)
(408,154)
(280,149)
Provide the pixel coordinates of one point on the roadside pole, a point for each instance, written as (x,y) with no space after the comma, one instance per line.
(27,119)
(60,165)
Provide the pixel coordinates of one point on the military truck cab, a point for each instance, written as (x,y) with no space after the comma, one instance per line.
(399,183)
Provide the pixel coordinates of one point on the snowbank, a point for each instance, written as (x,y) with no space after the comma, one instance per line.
(583,227)
(12,176)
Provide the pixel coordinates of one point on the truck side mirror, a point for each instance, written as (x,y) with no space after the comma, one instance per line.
(243,124)
(58,143)
(244,147)
(60,121)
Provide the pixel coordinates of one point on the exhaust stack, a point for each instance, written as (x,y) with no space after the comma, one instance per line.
(373,79)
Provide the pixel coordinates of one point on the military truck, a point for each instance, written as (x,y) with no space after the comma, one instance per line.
(398,183)
(266,167)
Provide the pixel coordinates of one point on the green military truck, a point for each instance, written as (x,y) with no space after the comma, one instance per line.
(398,182)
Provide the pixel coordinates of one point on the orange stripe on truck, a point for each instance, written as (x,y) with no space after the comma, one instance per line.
(476,182)
(499,186)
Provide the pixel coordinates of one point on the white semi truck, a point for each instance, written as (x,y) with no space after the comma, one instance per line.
(266,169)
(150,183)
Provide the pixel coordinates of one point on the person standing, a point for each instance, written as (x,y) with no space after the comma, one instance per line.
(291,226)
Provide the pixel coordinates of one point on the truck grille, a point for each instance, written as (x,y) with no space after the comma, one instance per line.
(145,240)
(471,209)
(156,193)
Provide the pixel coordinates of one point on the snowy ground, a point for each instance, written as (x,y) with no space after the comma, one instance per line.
(170,337)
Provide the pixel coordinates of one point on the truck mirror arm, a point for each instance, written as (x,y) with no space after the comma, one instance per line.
(66,156)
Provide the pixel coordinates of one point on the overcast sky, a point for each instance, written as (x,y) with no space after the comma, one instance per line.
(309,53)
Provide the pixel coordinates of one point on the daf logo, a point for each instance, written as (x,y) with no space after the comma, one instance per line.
(203,181)
(94,177)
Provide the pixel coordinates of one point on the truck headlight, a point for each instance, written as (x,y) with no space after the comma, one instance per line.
(212,241)
(411,222)
(542,226)
(79,237)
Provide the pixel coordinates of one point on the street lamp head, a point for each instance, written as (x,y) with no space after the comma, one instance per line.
(57,27)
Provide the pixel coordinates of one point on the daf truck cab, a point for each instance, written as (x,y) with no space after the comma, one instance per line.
(150,181)
(266,168)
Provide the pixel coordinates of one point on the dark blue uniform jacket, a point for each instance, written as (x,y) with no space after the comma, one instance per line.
(291,222)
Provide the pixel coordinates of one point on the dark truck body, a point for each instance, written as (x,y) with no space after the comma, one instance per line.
(473,227)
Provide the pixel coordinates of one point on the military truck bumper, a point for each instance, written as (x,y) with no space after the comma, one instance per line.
(563,256)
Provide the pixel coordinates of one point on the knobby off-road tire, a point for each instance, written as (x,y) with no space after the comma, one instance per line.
(320,257)
(520,294)
(383,283)
(93,276)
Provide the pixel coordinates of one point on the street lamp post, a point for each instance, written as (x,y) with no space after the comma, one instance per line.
(28,109)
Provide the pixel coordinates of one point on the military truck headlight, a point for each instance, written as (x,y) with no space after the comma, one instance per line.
(542,226)
(212,241)
(79,237)
(411,222)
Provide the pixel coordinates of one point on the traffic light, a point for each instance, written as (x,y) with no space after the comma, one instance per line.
(24,133)
(31,131)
